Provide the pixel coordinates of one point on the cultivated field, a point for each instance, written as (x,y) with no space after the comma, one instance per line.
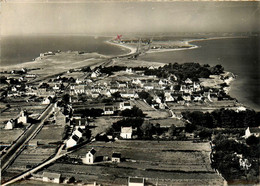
(149,111)
(29,158)
(102,123)
(50,133)
(168,122)
(165,161)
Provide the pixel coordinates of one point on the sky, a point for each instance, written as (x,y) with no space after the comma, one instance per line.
(83,17)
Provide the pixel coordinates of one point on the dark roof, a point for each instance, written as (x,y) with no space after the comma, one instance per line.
(92,151)
(254,130)
(75,137)
(127,104)
(110,108)
(80,130)
(116,155)
(136,180)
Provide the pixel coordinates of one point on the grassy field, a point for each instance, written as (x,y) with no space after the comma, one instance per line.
(101,124)
(168,122)
(164,162)
(30,157)
(178,162)
(50,133)
(8,136)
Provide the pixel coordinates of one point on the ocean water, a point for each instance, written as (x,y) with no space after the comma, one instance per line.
(19,49)
(238,55)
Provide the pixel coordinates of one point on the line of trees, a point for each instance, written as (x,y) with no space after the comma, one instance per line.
(225,159)
(223,118)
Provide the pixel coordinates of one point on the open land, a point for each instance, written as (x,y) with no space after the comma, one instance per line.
(168,161)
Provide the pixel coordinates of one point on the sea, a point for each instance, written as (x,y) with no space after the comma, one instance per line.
(240,56)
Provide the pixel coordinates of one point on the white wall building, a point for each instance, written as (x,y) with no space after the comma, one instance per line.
(51,177)
(126,132)
(91,156)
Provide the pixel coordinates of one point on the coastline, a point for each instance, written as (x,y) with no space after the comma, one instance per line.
(132,49)
(192,46)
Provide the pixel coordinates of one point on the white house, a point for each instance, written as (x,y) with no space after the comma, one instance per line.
(108,110)
(148,86)
(95,74)
(186,97)
(129,70)
(252,131)
(168,97)
(46,101)
(95,94)
(78,132)
(135,181)
(23,117)
(91,156)
(188,81)
(129,94)
(137,82)
(73,141)
(244,163)
(125,105)
(116,157)
(10,124)
(126,132)
(80,122)
(51,177)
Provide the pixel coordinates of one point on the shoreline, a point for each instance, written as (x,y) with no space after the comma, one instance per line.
(132,49)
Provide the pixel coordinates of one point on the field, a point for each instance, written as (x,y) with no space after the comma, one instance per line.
(101,124)
(135,63)
(29,158)
(168,122)
(177,162)
(149,111)
(203,107)
(8,136)
(50,133)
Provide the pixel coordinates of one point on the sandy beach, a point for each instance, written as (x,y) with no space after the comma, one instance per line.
(132,49)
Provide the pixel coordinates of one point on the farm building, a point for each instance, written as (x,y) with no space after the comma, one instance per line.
(135,181)
(108,110)
(78,132)
(23,117)
(72,141)
(10,124)
(51,177)
(116,157)
(125,105)
(91,156)
(126,132)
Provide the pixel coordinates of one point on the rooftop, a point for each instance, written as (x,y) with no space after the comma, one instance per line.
(51,175)
(136,180)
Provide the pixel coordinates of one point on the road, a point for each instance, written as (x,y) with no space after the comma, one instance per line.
(30,132)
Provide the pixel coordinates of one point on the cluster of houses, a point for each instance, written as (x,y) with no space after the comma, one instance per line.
(57,178)
(21,118)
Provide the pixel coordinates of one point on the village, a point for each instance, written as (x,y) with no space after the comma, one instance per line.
(126,122)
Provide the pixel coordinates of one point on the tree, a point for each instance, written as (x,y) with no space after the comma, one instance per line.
(172,130)
(66,98)
(252,140)
(190,127)
(147,129)
(205,133)
(116,95)
(134,112)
